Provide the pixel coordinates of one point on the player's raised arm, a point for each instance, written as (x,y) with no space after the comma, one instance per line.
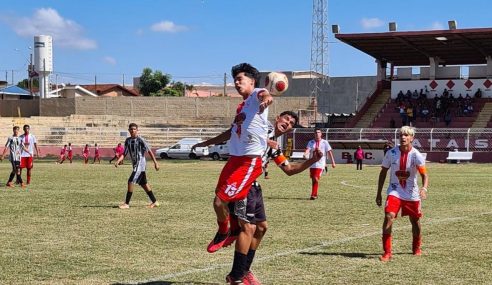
(224,136)
(265,98)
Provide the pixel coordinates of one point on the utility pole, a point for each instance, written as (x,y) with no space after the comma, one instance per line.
(12,77)
(95,84)
(31,71)
(225,84)
(123,80)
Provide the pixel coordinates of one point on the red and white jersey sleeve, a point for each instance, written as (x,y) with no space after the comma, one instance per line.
(250,128)
(404,169)
(324,147)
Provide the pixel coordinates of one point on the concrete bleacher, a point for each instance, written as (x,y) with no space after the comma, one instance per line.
(390,110)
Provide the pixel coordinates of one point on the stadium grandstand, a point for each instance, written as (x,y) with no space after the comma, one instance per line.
(438,81)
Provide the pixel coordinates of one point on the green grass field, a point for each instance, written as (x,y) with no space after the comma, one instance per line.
(65,228)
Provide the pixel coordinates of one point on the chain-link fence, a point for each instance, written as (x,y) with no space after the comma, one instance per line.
(477,140)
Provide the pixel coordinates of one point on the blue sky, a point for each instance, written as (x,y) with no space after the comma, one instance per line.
(198,41)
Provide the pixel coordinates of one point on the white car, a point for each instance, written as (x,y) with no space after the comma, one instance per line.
(219,151)
(182,150)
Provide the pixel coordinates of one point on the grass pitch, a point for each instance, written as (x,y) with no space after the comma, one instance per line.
(66,229)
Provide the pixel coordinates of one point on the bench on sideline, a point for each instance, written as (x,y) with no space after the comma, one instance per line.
(459,155)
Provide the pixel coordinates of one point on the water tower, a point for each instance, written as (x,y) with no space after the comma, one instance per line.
(43,62)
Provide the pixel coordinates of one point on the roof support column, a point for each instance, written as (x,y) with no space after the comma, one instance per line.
(433,64)
(381,70)
(489,66)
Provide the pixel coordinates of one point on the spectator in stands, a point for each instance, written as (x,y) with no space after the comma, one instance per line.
(415,94)
(410,117)
(408,95)
(392,123)
(400,97)
(459,108)
(426,92)
(425,112)
(447,118)
(403,114)
(478,94)
(438,106)
(359,157)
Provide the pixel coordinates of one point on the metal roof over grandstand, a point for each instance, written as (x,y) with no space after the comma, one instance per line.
(414,48)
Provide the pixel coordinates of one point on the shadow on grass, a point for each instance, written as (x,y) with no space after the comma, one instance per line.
(99,206)
(352,254)
(170,283)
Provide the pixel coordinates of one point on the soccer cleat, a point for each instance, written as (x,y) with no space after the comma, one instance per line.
(23,185)
(218,242)
(313,197)
(9,184)
(231,238)
(251,278)
(230,280)
(124,206)
(417,252)
(385,257)
(153,205)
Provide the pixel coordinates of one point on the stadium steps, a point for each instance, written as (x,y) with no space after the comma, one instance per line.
(484,117)
(371,114)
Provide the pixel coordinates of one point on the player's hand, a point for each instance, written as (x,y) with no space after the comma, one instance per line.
(266,100)
(156,166)
(379,199)
(273,144)
(423,193)
(333,165)
(317,154)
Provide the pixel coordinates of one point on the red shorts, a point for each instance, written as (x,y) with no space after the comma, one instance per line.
(315,172)
(237,176)
(408,208)
(70,155)
(26,162)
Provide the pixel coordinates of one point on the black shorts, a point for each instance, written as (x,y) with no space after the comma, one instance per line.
(251,209)
(138,177)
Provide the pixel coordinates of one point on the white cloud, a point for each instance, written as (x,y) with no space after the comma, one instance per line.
(371,23)
(46,21)
(110,60)
(437,26)
(168,27)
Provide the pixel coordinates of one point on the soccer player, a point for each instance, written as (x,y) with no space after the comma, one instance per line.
(317,168)
(70,152)
(97,156)
(250,212)
(247,142)
(403,162)
(136,147)
(30,143)
(16,146)
(63,152)
(85,154)
(118,151)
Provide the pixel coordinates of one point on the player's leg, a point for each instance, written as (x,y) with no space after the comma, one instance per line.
(12,175)
(417,235)
(29,169)
(129,192)
(391,210)
(243,243)
(315,174)
(146,186)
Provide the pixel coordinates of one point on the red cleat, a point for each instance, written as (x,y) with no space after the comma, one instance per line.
(9,184)
(417,252)
(218,242)
(251,278)
(385,257)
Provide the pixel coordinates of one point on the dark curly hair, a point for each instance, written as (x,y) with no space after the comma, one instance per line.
(249,70)
(292,114)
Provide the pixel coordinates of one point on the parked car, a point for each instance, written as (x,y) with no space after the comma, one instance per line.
(182,150)
(219,151)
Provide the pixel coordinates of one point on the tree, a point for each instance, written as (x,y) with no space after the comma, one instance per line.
(25,83)
(153,82)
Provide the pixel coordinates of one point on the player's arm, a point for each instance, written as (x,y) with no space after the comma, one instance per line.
(291,169)
(38,153)
(306,152)
(330,154)
(4,152)
(215,140)
(382,178)
(156,165)
(265,98)
(425,181)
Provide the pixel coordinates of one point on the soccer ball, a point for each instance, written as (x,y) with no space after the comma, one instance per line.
(276,83)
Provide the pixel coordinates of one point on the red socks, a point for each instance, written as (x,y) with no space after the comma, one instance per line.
(417,242)
(28,179)
(387,243)
(314,190)
(223,226)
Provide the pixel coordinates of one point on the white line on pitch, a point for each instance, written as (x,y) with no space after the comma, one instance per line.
(291,252)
